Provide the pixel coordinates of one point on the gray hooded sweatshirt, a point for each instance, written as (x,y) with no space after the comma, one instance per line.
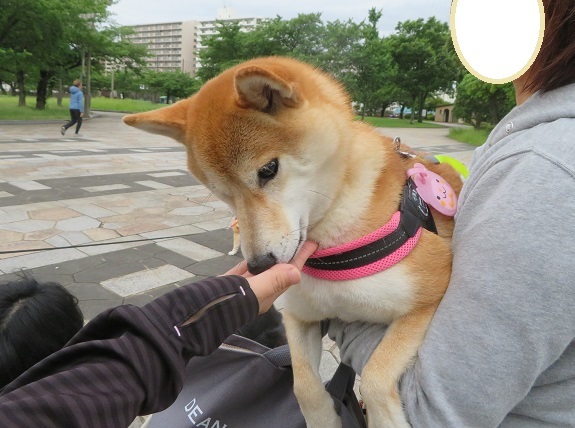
(500,350)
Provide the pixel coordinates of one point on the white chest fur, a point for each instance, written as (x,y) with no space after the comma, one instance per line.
(376,298)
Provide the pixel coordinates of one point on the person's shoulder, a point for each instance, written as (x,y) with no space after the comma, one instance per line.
(554,141)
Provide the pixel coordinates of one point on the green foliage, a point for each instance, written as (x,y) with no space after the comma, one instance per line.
(300,37)
(480,102)
(407,67)
(45,39)
(424,60)
(172,84)
(370,67)
(223,50)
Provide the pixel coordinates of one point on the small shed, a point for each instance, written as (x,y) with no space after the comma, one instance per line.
(445,114)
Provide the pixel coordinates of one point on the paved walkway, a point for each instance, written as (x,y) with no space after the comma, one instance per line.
(115,214)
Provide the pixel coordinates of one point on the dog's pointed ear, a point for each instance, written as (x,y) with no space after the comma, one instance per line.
(261,89)
(169,121)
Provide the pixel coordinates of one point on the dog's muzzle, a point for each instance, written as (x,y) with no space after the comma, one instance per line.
(261,263)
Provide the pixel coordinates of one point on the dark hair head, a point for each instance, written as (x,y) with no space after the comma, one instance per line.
(555,64)
(36,320)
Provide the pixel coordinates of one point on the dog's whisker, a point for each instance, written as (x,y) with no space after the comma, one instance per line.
(319,193)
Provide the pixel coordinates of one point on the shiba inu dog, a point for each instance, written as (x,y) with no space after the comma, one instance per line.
(236,243)
(276,140)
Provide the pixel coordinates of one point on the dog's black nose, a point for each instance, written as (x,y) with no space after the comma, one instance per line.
(261,263)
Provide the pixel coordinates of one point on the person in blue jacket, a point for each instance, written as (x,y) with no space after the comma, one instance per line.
(76,107)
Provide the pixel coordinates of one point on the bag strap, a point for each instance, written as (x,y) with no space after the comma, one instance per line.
(279,356)
(341,382)
(341,387)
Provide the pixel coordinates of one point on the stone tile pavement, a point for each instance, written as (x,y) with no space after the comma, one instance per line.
(115,216)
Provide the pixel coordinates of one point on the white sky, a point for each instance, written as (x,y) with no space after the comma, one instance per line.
(132,12)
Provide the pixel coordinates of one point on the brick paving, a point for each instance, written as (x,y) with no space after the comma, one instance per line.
(115,216)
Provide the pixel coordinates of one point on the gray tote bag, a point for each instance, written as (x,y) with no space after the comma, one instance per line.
(244,384)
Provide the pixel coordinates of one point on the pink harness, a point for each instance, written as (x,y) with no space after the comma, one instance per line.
(389,244)
(369,269)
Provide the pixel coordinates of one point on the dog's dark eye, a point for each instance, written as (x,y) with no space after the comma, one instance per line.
(268,171)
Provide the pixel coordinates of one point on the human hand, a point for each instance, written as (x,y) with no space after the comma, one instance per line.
(269,285)
(356,341)
(81,114)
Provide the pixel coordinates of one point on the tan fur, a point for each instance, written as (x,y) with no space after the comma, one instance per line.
(338,180)
(236,242)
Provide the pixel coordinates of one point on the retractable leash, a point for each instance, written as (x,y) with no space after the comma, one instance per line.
(436,159)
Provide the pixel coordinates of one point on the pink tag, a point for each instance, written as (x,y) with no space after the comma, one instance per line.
(434,190)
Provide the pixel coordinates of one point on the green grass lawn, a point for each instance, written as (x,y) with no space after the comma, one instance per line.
(475,137)
(9,109)
(128,105)
(385,122)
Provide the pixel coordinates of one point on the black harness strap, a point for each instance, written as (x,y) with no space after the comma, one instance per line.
(414,213)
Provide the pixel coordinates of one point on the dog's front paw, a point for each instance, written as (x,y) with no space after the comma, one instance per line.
(323,418)
(319,412)
(234,252)
(383,404)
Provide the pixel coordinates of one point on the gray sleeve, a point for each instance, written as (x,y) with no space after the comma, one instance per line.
(507,314)
(356,341)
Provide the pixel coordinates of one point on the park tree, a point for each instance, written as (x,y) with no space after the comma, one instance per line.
(341,41)
(300,37)
(222,50)
(45,31)
(370,63)
(424,59)
(173,84)
(26,29)
(45,39)
(129,81)
(478,102)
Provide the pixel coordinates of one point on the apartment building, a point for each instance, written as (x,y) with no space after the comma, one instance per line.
(175,45)
(208,28)
(172,45)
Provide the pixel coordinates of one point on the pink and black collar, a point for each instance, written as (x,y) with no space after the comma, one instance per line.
(380,249)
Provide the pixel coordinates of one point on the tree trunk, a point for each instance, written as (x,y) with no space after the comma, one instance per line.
(60,92)
(493,112)
(421,105)
(412,116)
(42,89)
(88,85)
(383,107)
(363,111)
(21,88)
(401,111)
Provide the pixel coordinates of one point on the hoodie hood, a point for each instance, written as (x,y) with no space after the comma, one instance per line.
(74,89)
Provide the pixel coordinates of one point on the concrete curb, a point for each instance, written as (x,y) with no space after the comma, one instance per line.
(41,122)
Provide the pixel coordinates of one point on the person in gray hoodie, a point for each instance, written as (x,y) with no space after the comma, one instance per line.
(500,350)
(76,107)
